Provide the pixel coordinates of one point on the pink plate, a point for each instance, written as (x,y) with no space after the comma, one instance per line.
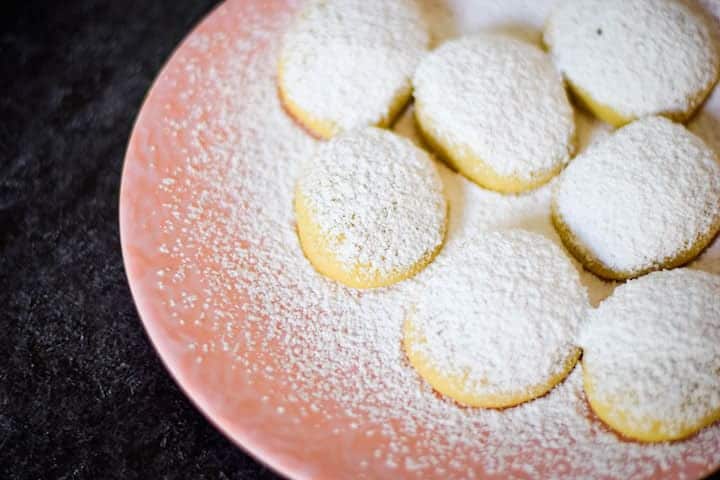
(281,360)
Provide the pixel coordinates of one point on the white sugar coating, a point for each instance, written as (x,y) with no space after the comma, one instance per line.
(501,310)
(336,349)
(500,99)
(637,57)
(653,349)
(377,198)
(347,61)
(642,196)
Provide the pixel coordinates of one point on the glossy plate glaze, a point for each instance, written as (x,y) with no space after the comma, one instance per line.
(175,280)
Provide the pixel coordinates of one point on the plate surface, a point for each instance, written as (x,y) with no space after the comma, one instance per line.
(304,374)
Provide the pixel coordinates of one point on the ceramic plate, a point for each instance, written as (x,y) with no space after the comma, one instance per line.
(306,375)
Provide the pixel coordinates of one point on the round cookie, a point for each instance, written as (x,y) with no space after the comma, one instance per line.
(496,109)
(651,362)
(370,208)
(348,63)
(626,59)
(645,198)
(495,323)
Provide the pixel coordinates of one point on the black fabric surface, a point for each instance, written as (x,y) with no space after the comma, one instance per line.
(82,392)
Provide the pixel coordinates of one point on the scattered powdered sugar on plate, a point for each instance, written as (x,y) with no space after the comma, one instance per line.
(377,198)
(338,350)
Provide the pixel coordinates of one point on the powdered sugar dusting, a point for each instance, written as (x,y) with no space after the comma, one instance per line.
(638,57)
(501,100)
(501,311)
(652,350)
(665,182)
(378,200)
(331,55)
(338,350)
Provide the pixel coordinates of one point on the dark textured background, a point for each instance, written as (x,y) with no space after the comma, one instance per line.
(82,392)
